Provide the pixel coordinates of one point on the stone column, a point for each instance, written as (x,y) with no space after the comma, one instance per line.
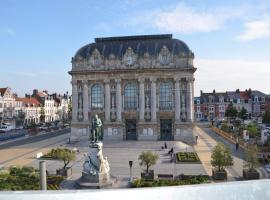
(107,100)
(177,99)
(142,99)
(74,101)
(42,175)
(85,100)
(153,99)
(190,100)
(118,101)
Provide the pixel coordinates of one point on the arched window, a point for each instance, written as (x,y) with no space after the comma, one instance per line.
(165,96)
(130,97)
(97,97)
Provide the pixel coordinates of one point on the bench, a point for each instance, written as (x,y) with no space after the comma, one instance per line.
(165,176)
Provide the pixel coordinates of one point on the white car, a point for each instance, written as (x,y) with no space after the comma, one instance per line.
(5,128)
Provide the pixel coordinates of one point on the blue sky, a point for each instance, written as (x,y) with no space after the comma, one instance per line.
(230,39)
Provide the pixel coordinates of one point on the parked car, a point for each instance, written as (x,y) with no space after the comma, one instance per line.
(5,127)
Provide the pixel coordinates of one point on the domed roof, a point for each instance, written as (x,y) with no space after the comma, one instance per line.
(117,46)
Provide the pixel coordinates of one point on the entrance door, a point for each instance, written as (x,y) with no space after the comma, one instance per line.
(131,129)
(166,129)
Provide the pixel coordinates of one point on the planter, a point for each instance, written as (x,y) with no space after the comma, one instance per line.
(148,176)
(219,175)
(251,174)
(64,172)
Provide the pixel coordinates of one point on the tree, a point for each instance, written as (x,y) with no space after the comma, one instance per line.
(251,157)
(147,159)
(231,111)
(252,130)
(266,117)
(42,114)
(64,154)
(221,157)
(243,113)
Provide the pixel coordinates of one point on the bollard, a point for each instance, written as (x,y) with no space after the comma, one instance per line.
(42,176)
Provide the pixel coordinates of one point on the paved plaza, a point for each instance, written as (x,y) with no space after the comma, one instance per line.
(119,153)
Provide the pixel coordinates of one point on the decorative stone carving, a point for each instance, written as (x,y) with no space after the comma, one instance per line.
(129,57)
(164,56)
(146,61)
(96,59)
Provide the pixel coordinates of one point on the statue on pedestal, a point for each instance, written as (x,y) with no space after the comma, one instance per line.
(96,169)
(96,129)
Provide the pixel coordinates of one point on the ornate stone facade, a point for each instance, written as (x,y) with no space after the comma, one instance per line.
(140,86)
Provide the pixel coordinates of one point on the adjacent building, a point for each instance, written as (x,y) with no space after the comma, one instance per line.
(141,87)
(27,110)
(212,106)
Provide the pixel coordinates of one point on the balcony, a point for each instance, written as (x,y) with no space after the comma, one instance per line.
(256,190)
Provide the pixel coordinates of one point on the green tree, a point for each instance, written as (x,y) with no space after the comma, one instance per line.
(243,114)
(266,117)
(231,111)
(65,155)
(148,159)
(251,157)
(42,114)
(221,157)
(252,129)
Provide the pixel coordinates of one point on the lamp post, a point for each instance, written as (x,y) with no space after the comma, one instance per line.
(130,170)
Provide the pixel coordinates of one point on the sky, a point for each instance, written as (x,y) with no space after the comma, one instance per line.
(230,38)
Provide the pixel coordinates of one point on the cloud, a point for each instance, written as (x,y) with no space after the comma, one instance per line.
(231,74)
(255,30)
(7,31)
(186,19)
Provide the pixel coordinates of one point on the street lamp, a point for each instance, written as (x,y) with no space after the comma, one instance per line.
(130,170)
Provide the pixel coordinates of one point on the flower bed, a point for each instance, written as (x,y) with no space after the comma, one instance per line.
(187,157)
(183,180)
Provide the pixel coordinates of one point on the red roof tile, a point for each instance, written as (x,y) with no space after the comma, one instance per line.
(2,91)
(32,101)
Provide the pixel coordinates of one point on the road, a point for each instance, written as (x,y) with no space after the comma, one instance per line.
(23,151)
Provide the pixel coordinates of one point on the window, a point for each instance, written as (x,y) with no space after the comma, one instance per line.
(130,97)
(165,96)
(97,97)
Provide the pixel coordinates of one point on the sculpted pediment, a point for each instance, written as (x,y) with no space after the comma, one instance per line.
(164,56)
(129,57)
(96,59)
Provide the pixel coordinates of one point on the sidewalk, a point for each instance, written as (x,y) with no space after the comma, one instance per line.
(206,143)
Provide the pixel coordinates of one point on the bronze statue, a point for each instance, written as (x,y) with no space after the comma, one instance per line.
(96,129)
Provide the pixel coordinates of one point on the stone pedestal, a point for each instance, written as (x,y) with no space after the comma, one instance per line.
(96,170)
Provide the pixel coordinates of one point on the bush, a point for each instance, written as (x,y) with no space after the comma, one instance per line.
(26,178)
(183,180)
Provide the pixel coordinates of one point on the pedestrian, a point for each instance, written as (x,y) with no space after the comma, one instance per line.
(196,137)
(236,146)
(165,145)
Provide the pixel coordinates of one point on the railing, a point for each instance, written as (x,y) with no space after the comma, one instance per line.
(256,190)
(228,136)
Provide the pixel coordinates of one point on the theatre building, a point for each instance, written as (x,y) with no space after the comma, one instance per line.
(141,87)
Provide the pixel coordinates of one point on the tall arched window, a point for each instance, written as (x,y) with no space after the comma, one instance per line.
(130,97)
(97,97)
(165,96)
